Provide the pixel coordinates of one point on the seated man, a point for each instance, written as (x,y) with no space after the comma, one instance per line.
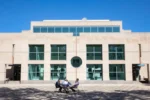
(58,85)
(65,84)
(75,85)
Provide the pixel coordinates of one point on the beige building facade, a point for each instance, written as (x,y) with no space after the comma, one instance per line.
(91,50)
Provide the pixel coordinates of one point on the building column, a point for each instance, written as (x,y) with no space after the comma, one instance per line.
(105,62)
(47,62)
(128,72)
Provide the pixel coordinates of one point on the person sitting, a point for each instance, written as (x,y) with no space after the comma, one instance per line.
(58,85)
(65,84)
(75,85)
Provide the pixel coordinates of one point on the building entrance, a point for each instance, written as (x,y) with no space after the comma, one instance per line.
(13,72)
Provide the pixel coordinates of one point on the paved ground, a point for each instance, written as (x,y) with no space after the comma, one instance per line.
(87,92)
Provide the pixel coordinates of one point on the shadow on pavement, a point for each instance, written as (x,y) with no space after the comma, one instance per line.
(36,94)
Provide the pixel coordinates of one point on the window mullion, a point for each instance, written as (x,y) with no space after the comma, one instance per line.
(116,73)
(58,52)
(94,52)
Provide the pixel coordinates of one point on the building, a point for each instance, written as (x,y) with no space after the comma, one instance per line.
(91,50)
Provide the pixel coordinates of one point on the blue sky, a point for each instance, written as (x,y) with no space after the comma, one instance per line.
(16,15)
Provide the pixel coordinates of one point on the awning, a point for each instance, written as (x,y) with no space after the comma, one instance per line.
(141,65)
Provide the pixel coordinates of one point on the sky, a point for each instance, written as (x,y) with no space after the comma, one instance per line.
(16,15)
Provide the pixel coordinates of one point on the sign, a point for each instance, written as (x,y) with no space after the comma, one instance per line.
(76,61)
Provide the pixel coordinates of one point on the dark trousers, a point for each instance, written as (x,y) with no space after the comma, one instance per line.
(72,88)
(60,88)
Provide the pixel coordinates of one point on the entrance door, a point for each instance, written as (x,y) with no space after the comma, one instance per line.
(17,71)
(135,72)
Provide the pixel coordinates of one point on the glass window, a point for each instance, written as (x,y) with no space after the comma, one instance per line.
(54,48)
(36,71)
(89,48)
(94,52)
(73,29)
(51,30)
(108,29)
(65,29)
(79,29)
(36,29)
(58,52)
(116,52)
(117,71)
(93,29)
(87,29)
(94,72)
(116,29)
(90,56)
(58,71)
(58,30)
(54,56)
(101,29)
(36,52)
(43,29)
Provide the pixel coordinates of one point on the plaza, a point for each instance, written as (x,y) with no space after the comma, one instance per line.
(87,92)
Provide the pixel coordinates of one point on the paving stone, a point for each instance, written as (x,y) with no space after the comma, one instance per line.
(116,92)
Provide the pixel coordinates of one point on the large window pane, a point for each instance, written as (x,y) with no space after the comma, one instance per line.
(90,48)
(79,29)
(73,29)
(62,48)
(36,52)
(120,48)
(121,76)
(87,29)
(98,48)
(94,71)
(112,48)
(40,56)
(32,48)
(98,56)
(112,68)
(40,48)
(101,29)
(58,30)
(116,52)
(58,71)
(62,56)
(117,71)
(108,29)
(32,56)
(36,71)
(120,68)
(36,29)
(90,56)
(120,56)
(116,29)
(58,52)
(65,29)
(54,48)
(54,56)
(113,76)
(51,29)
(112,56)
(43,29)
(93,29)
